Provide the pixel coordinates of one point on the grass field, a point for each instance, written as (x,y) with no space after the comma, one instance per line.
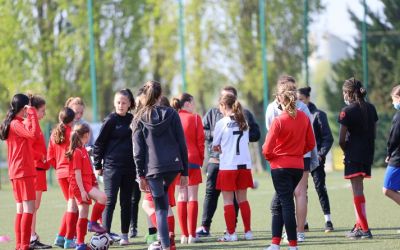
(383,215)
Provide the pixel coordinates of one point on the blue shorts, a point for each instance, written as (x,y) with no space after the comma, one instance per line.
(392,178)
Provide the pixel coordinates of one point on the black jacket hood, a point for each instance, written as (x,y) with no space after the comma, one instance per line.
(160,120)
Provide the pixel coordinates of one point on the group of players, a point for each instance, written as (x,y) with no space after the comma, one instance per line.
(150,145)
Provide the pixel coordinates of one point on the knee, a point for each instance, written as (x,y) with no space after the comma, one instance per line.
(160,203)
(103,199)
(385,191)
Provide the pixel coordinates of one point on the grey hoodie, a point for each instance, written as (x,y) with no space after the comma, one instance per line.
(159,144)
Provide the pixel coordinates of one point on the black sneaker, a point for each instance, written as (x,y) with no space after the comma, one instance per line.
(329,227)
(306,228)
(202,232)
(366,235)
(36,244)
(133,232)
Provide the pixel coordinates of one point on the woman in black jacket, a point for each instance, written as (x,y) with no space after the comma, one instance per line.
(324,139)
(160,153)
(113,159)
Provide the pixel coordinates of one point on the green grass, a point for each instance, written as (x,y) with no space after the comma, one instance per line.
(383,215)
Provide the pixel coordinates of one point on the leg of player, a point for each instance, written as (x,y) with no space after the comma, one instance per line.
(193,209)
(300,194)
(229,214)
(183,213)
(71,222)
(98,208)
(82,226)
(26,223)
(245,212)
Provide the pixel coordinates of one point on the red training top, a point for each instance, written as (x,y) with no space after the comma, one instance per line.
(56,154)
(38,148)
(20,160)
(194,135)
(81,160)
(288,139)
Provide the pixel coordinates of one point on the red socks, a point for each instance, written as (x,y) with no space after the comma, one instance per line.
(359,205)
(71,220)
(63,227)
(182,216)
(230,218)
(193,209)
(171,224)
(276,240)
(26,227)
(97,211)
(153,219)
(245,211)
(81,229)
(17,229)
(293,243)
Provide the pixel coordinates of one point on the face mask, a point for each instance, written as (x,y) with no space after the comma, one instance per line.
(347,102)
(397,106)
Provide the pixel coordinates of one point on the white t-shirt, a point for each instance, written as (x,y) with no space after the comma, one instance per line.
(234,144)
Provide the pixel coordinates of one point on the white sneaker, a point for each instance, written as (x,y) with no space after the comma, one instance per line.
(228,237)
(124,242)
(273,247)
(248,235)
(184,239)
(192,240)
(293,248)
(301,237)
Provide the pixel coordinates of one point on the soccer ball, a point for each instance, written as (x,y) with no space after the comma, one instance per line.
(99,242)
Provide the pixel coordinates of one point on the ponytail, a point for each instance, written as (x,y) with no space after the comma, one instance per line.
(289,103)
(65,117)
(78,132)
(239,116)
(179,102)
(175,104)
(18,102)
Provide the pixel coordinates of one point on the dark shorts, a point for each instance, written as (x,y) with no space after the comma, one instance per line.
(307,163)
(354,169)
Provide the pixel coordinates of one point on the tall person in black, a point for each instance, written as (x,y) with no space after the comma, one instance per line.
(324,139)
(212,194)
(160,153)
(113,159)
(357,140)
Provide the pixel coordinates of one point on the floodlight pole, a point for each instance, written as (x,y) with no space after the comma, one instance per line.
(306,49)
(92,60)
(364,46)
(182,45)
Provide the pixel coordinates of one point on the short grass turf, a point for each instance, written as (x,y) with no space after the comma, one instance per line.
(383,216)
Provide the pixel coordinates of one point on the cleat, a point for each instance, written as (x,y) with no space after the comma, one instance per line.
(301,237)
(95,227)
(248,235)
(228,238)
(202,232)
(329,227)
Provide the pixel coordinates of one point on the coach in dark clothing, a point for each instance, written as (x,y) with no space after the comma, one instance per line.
(324,139)
(113,158)
(212,194)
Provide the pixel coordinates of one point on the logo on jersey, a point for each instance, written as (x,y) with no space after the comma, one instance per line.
(176,159)
(342,115)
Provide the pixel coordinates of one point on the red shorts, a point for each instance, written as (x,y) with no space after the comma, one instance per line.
(232,180)
(74,189)
(24,189)
(194,177)
(64,185)
(41,181)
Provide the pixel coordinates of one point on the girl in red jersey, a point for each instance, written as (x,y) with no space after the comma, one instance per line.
(58,146)
(187,197)
(20,164)
(289,138)
(357,140)
(41,166)
(83,185)
(231,140)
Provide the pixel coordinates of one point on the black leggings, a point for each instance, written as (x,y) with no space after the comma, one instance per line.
(285,181)
(114,181)
(136,194)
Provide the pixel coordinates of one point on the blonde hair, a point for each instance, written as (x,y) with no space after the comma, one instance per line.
(74,101)
(395,91)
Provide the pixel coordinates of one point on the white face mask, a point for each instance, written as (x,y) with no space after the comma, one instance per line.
(347,102)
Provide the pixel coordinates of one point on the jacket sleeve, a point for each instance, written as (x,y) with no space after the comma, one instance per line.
(200,137)
(30,130)
(207,125)
(254,129)
(394,137)
(326,134)
(139,152)
(100,145)
(310,138)
(270,140)
(180,137)
(51,155)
